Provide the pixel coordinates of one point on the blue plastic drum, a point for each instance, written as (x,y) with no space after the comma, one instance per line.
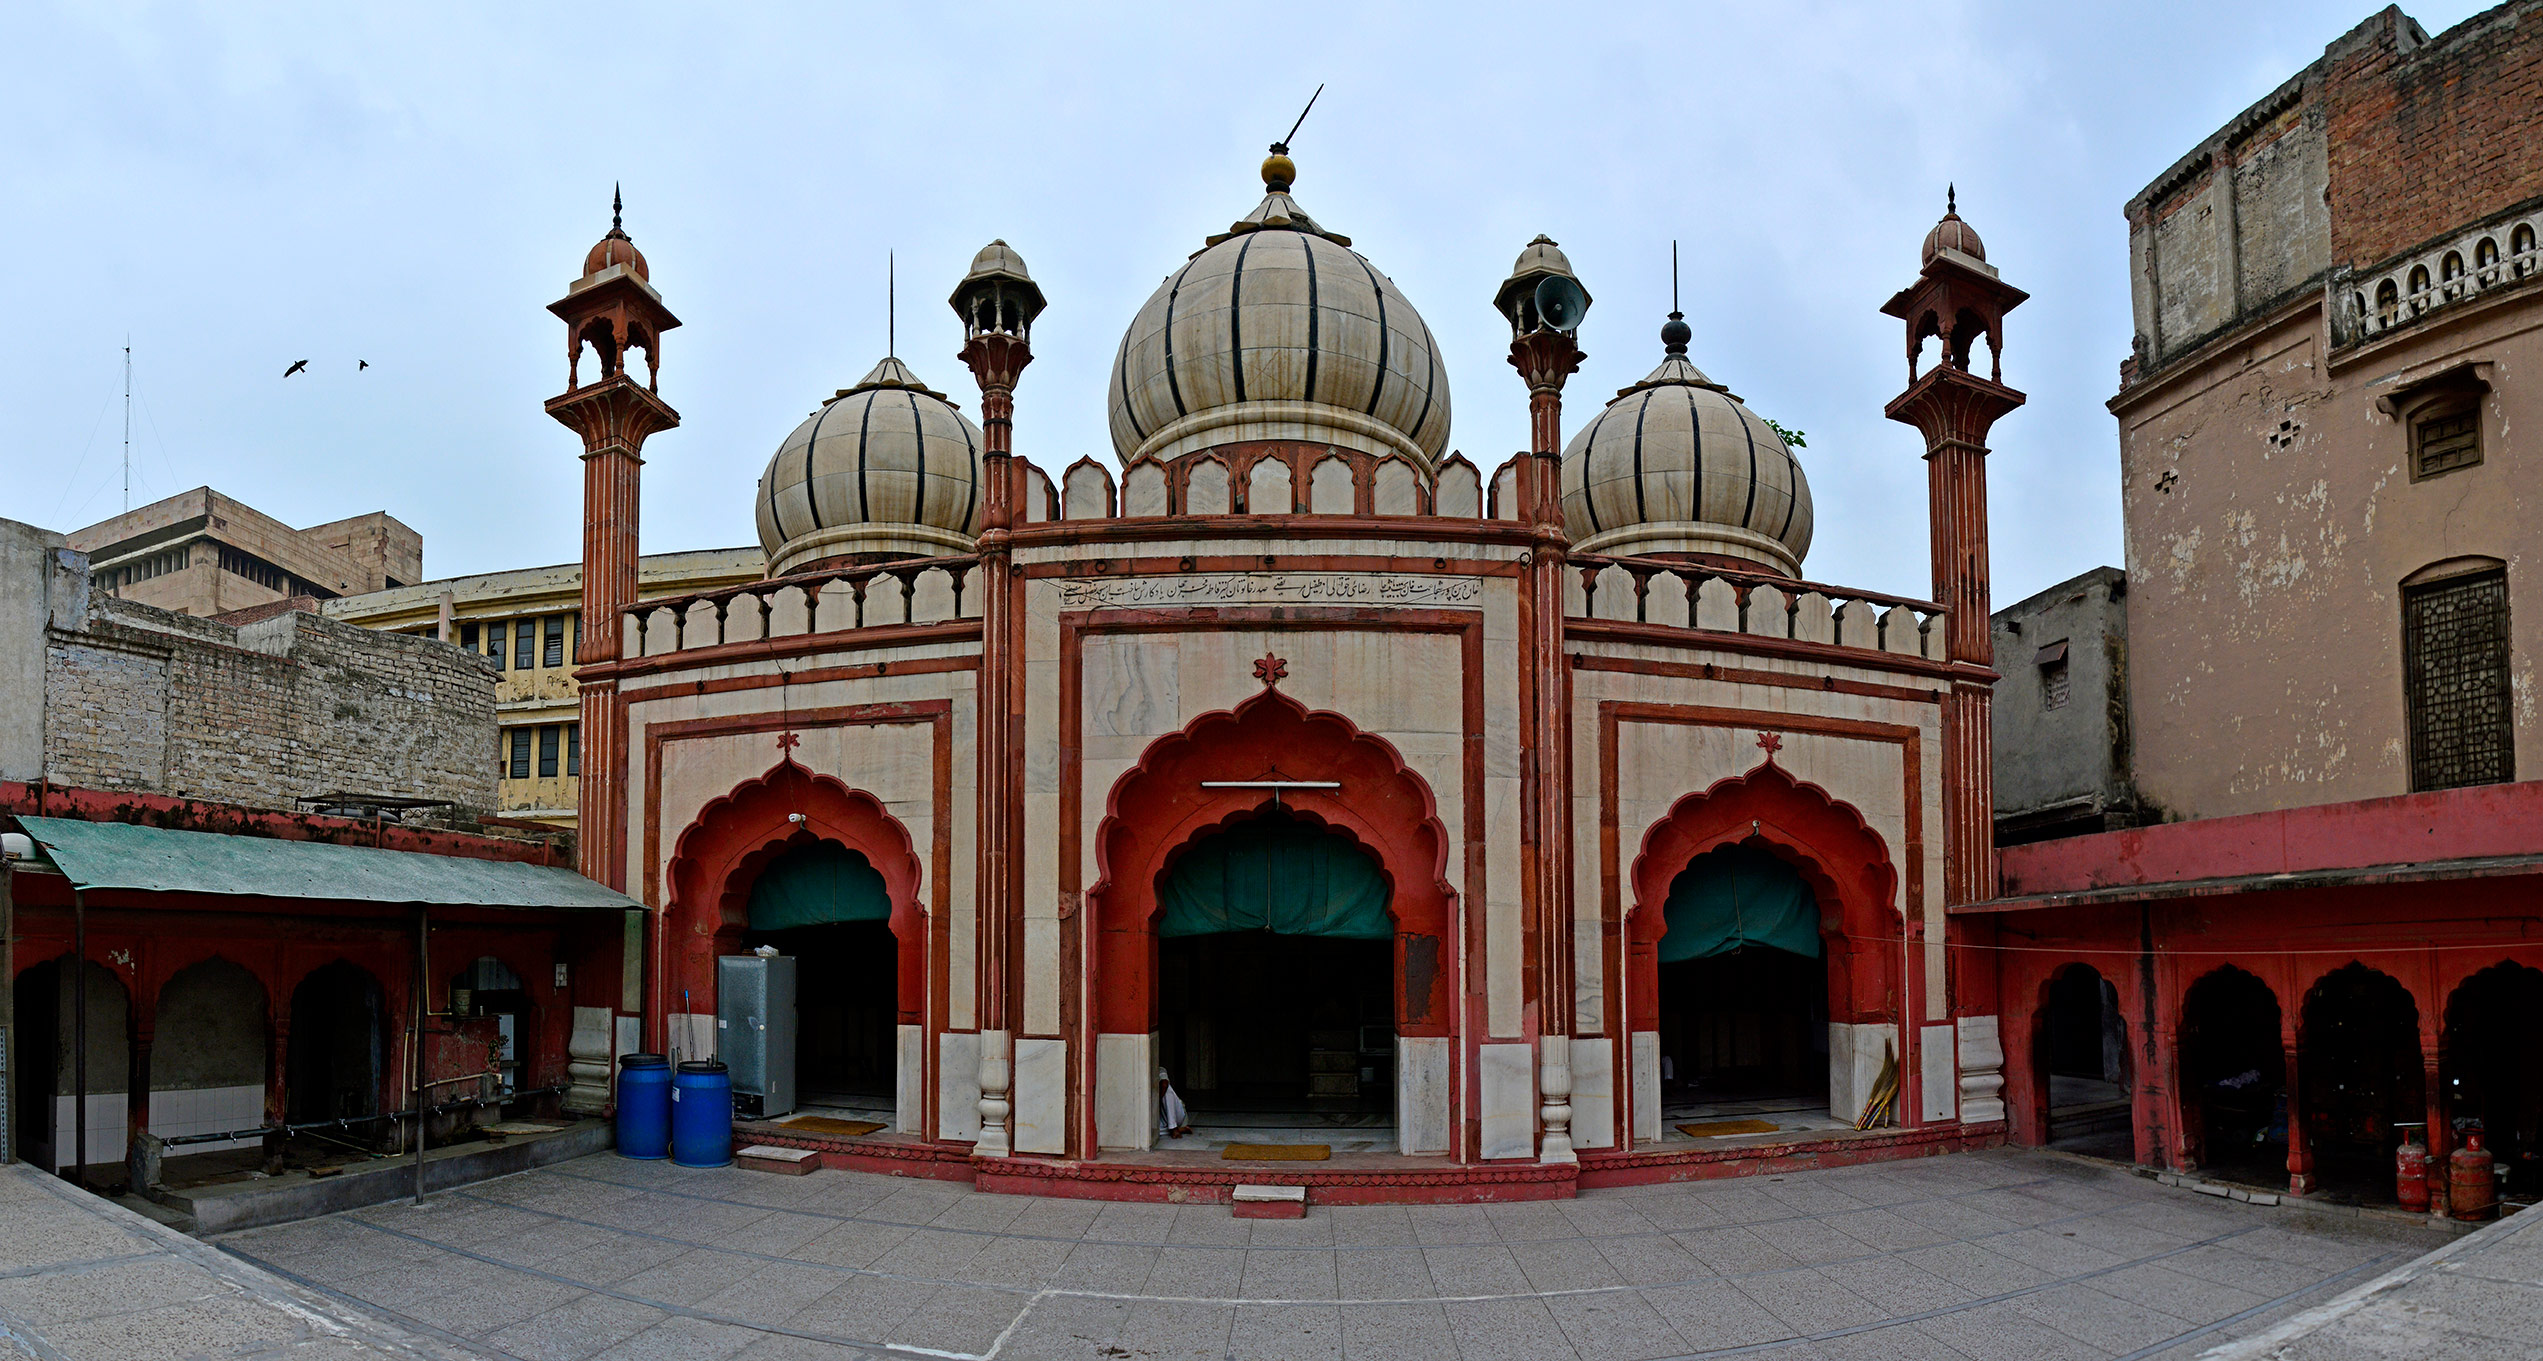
(644,1106)
(702,1115)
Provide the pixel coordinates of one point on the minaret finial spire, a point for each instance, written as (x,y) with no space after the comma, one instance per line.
(617,206)
(1951,199)
(1675,334)
(891,304)
(1673,280)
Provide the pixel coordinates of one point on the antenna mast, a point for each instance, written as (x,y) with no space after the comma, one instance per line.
(128,423)
(1281,147)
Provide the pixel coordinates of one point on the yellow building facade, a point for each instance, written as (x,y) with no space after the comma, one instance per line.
(528,622)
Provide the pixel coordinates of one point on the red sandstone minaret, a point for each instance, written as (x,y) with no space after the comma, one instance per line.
(1957,299)
(613,309)
(1544,304)
(997,302)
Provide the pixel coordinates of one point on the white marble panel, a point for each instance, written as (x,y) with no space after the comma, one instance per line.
(1616,597)
(1509,1101)
(1665,600)
(1205,489)
(1593,1092)
(1086,493)
(958,1086)
(931,601)
(834,610)
(1854,1064)
(1812,619)
(1397,491)
(1901,632)
(1125,1091)
(1646,1088)
(1938,1077)
(1459,493)
(886,600)
(1042,980)
(700,625)
(1143,490)
(1717,605)
(1041,1096)
(909,1081)
(746,618)
(1329,489)
(1132,685)
(1267,490)
(1423,1115)
(1505,489)
(1504,917)
(1769,612)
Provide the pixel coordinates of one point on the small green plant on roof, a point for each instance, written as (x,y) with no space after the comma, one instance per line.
(1791,438)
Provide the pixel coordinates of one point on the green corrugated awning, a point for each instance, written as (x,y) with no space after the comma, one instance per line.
(120,855)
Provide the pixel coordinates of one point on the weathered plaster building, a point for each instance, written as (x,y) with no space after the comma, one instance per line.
(2329,696)
(1502,826)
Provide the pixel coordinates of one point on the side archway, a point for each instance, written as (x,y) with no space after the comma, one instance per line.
(719,858)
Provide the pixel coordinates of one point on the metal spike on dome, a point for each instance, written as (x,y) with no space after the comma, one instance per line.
(617,207)
(1951,200)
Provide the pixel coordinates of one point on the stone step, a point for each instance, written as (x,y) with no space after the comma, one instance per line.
(1268,1202)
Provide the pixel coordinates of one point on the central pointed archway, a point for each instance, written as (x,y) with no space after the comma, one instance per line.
(1175,800)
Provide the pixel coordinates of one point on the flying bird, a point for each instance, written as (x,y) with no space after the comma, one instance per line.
(365,363)
(296,366)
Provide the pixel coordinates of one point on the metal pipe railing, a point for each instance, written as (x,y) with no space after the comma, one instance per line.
(348,1122)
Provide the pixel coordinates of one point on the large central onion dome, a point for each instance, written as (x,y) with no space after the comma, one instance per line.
(1677,465)
(1277,329)
(885,469)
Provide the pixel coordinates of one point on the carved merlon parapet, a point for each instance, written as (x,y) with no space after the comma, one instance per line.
(1272,477)
(617,413)
(927,591)
(1693,596)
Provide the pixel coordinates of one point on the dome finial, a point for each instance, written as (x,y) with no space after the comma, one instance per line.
(617,207)
(1280,172)
(1675,333)
(1951,199)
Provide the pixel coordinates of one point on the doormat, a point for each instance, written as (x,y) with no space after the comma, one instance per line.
(1712,1128)
(823,1124)
(1277,1153)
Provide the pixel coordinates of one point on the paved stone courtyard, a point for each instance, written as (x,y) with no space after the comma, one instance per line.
(1998,1255)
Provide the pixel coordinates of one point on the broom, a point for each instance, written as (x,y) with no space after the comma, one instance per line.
(1881,1108)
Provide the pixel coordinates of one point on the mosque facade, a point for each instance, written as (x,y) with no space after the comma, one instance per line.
(1499,831)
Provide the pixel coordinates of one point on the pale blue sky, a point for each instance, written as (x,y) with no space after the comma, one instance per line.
(240,186)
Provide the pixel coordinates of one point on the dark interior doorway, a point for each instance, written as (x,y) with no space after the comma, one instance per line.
(2081,1043)
(827,906)
(333,1071)
(493,989)
(847,1010)
(33,1097)
(2234,1078)
(1743,986)
(1276,979)
(2492,1070)
(2360,1076)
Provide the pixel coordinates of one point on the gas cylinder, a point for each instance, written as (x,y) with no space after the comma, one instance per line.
(2473,1186)
(2410,1170)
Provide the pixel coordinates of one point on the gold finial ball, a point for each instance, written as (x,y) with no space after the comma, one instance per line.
(1279,172)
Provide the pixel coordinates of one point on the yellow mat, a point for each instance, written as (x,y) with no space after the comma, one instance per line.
(1277,1153)
(1710,1128)
(823,1124)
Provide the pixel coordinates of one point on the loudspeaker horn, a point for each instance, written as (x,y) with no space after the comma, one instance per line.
(1561,303)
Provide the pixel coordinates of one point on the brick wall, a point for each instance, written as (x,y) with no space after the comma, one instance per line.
(142,699)
(2427,137)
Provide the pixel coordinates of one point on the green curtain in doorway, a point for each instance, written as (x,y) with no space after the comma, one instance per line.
(1739,896)
(816,886)
(1273,874)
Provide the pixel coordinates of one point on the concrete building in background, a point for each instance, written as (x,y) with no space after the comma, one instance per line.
(202,553)
(2327,650)
(529,624)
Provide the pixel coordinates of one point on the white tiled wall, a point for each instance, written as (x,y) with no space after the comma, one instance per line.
(210,1110)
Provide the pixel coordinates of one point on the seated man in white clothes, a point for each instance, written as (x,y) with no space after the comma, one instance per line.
(1172,1121)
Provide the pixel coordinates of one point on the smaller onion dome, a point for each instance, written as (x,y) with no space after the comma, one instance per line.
(615,248)
(1953,234)
(1677,465)
(885,469)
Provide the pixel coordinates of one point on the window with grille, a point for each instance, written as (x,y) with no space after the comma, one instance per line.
(553,654)
(573,748)
(2455,665)
(547,752)
(520,769)
(525,643)
(2446,436)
